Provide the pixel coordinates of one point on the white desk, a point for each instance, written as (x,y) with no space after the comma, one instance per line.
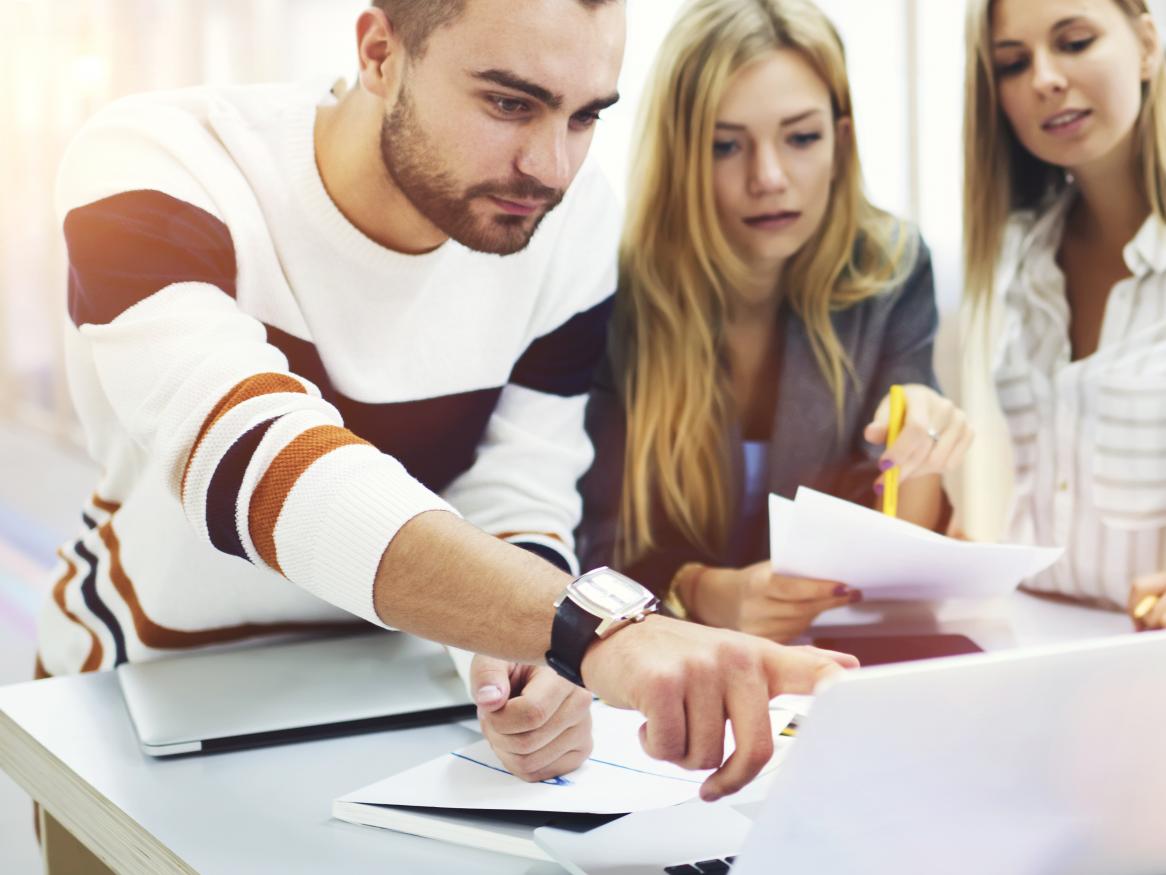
(69,743)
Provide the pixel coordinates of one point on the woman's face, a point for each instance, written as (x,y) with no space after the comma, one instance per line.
(774,157)
(1069,75)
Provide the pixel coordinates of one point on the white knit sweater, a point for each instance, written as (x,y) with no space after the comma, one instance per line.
(271,395)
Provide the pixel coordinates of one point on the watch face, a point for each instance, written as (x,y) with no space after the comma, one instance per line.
(606,593)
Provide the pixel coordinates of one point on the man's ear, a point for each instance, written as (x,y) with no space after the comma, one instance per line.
(382,54)
(843,143)
(1151,46)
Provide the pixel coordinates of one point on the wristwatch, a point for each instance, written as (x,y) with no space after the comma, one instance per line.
(593,606)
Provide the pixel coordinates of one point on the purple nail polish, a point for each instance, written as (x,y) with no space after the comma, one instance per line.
(878,488)
(886,465)
(841,590)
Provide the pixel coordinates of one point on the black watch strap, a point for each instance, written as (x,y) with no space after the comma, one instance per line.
(572,632)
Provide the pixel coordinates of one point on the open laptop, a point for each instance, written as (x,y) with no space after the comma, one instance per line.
(1046,761)
(291,691)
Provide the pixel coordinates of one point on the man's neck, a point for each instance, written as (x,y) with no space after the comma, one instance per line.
(347,138)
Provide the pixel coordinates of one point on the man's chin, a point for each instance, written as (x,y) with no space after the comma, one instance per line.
(500,235)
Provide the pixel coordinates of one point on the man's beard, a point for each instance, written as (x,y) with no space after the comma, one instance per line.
(412,163)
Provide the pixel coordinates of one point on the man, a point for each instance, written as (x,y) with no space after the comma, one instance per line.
(296,352)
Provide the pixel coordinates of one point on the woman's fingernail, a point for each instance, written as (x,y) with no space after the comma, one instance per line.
(878,488)
(886,465)
(841,590)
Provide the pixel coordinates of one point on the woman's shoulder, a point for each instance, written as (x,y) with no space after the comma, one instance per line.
(906,261)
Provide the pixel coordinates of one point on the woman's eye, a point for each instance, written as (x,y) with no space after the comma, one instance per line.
(724,148)
(1003,71)
(1079,45)
(802,141)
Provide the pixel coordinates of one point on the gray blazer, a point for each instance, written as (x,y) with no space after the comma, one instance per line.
(889,339)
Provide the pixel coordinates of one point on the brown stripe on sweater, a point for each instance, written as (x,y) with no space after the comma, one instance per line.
(282,474)
(101,504)
(163,638)
(252,387)
(506,536)
(93,659)
(39,672)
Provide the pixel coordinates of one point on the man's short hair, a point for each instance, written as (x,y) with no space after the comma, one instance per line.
(415,20)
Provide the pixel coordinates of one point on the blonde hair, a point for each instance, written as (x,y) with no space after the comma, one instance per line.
(1001,176)
(677,268)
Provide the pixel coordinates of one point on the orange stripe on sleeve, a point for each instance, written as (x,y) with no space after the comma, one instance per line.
(281,476)
(506,536)
(252,387)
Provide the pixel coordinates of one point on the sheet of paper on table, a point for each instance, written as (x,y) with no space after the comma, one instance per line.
(618,778)
(822,537)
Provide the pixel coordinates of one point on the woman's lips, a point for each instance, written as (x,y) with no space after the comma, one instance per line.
(1067,122)
(773,221)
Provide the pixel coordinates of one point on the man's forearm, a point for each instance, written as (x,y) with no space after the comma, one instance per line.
(446,580)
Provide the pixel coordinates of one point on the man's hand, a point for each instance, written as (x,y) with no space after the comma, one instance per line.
(757,601)
(687,680)
(934,438)
(538,723)
(1143,588)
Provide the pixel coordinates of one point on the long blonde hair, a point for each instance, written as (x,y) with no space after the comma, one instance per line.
(677,268)
(1001,176)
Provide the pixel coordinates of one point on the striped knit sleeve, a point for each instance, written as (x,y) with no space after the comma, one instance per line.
(263,467)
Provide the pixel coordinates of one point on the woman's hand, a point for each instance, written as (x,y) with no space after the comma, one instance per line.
(1147,604)
(934,438)
(757,601)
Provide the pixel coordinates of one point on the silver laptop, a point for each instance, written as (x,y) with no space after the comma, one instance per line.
(1047,761)
(291,691)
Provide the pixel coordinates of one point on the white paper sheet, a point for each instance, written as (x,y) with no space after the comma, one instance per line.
(826,538)
(618,778)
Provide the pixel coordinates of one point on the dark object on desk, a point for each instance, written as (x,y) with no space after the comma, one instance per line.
(883,649)
(704,867)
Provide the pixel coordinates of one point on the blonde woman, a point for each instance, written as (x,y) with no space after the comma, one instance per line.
(1066,260)
(765,308)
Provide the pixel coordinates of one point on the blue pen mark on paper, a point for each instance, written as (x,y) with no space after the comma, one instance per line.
(554,782)
(643,771)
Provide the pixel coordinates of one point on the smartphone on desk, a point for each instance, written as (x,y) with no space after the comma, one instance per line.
(883,649)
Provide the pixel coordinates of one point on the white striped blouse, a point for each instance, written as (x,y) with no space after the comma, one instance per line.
(1088,436)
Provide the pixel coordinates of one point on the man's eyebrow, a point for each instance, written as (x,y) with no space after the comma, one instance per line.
(1060,25)
(515,82)
(598,105)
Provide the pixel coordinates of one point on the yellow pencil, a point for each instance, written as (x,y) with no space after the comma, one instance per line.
(894,426)
(1145,606)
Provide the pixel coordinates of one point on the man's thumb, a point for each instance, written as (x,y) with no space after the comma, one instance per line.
(490,682)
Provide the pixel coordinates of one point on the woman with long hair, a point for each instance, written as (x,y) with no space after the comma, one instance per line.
(765,309)
(1065,223)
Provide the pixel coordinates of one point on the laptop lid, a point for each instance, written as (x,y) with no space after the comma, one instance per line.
(225,700)
(1021,762)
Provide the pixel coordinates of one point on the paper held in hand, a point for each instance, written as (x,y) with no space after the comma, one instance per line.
(825,538)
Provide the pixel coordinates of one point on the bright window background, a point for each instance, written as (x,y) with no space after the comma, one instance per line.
(61,60)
